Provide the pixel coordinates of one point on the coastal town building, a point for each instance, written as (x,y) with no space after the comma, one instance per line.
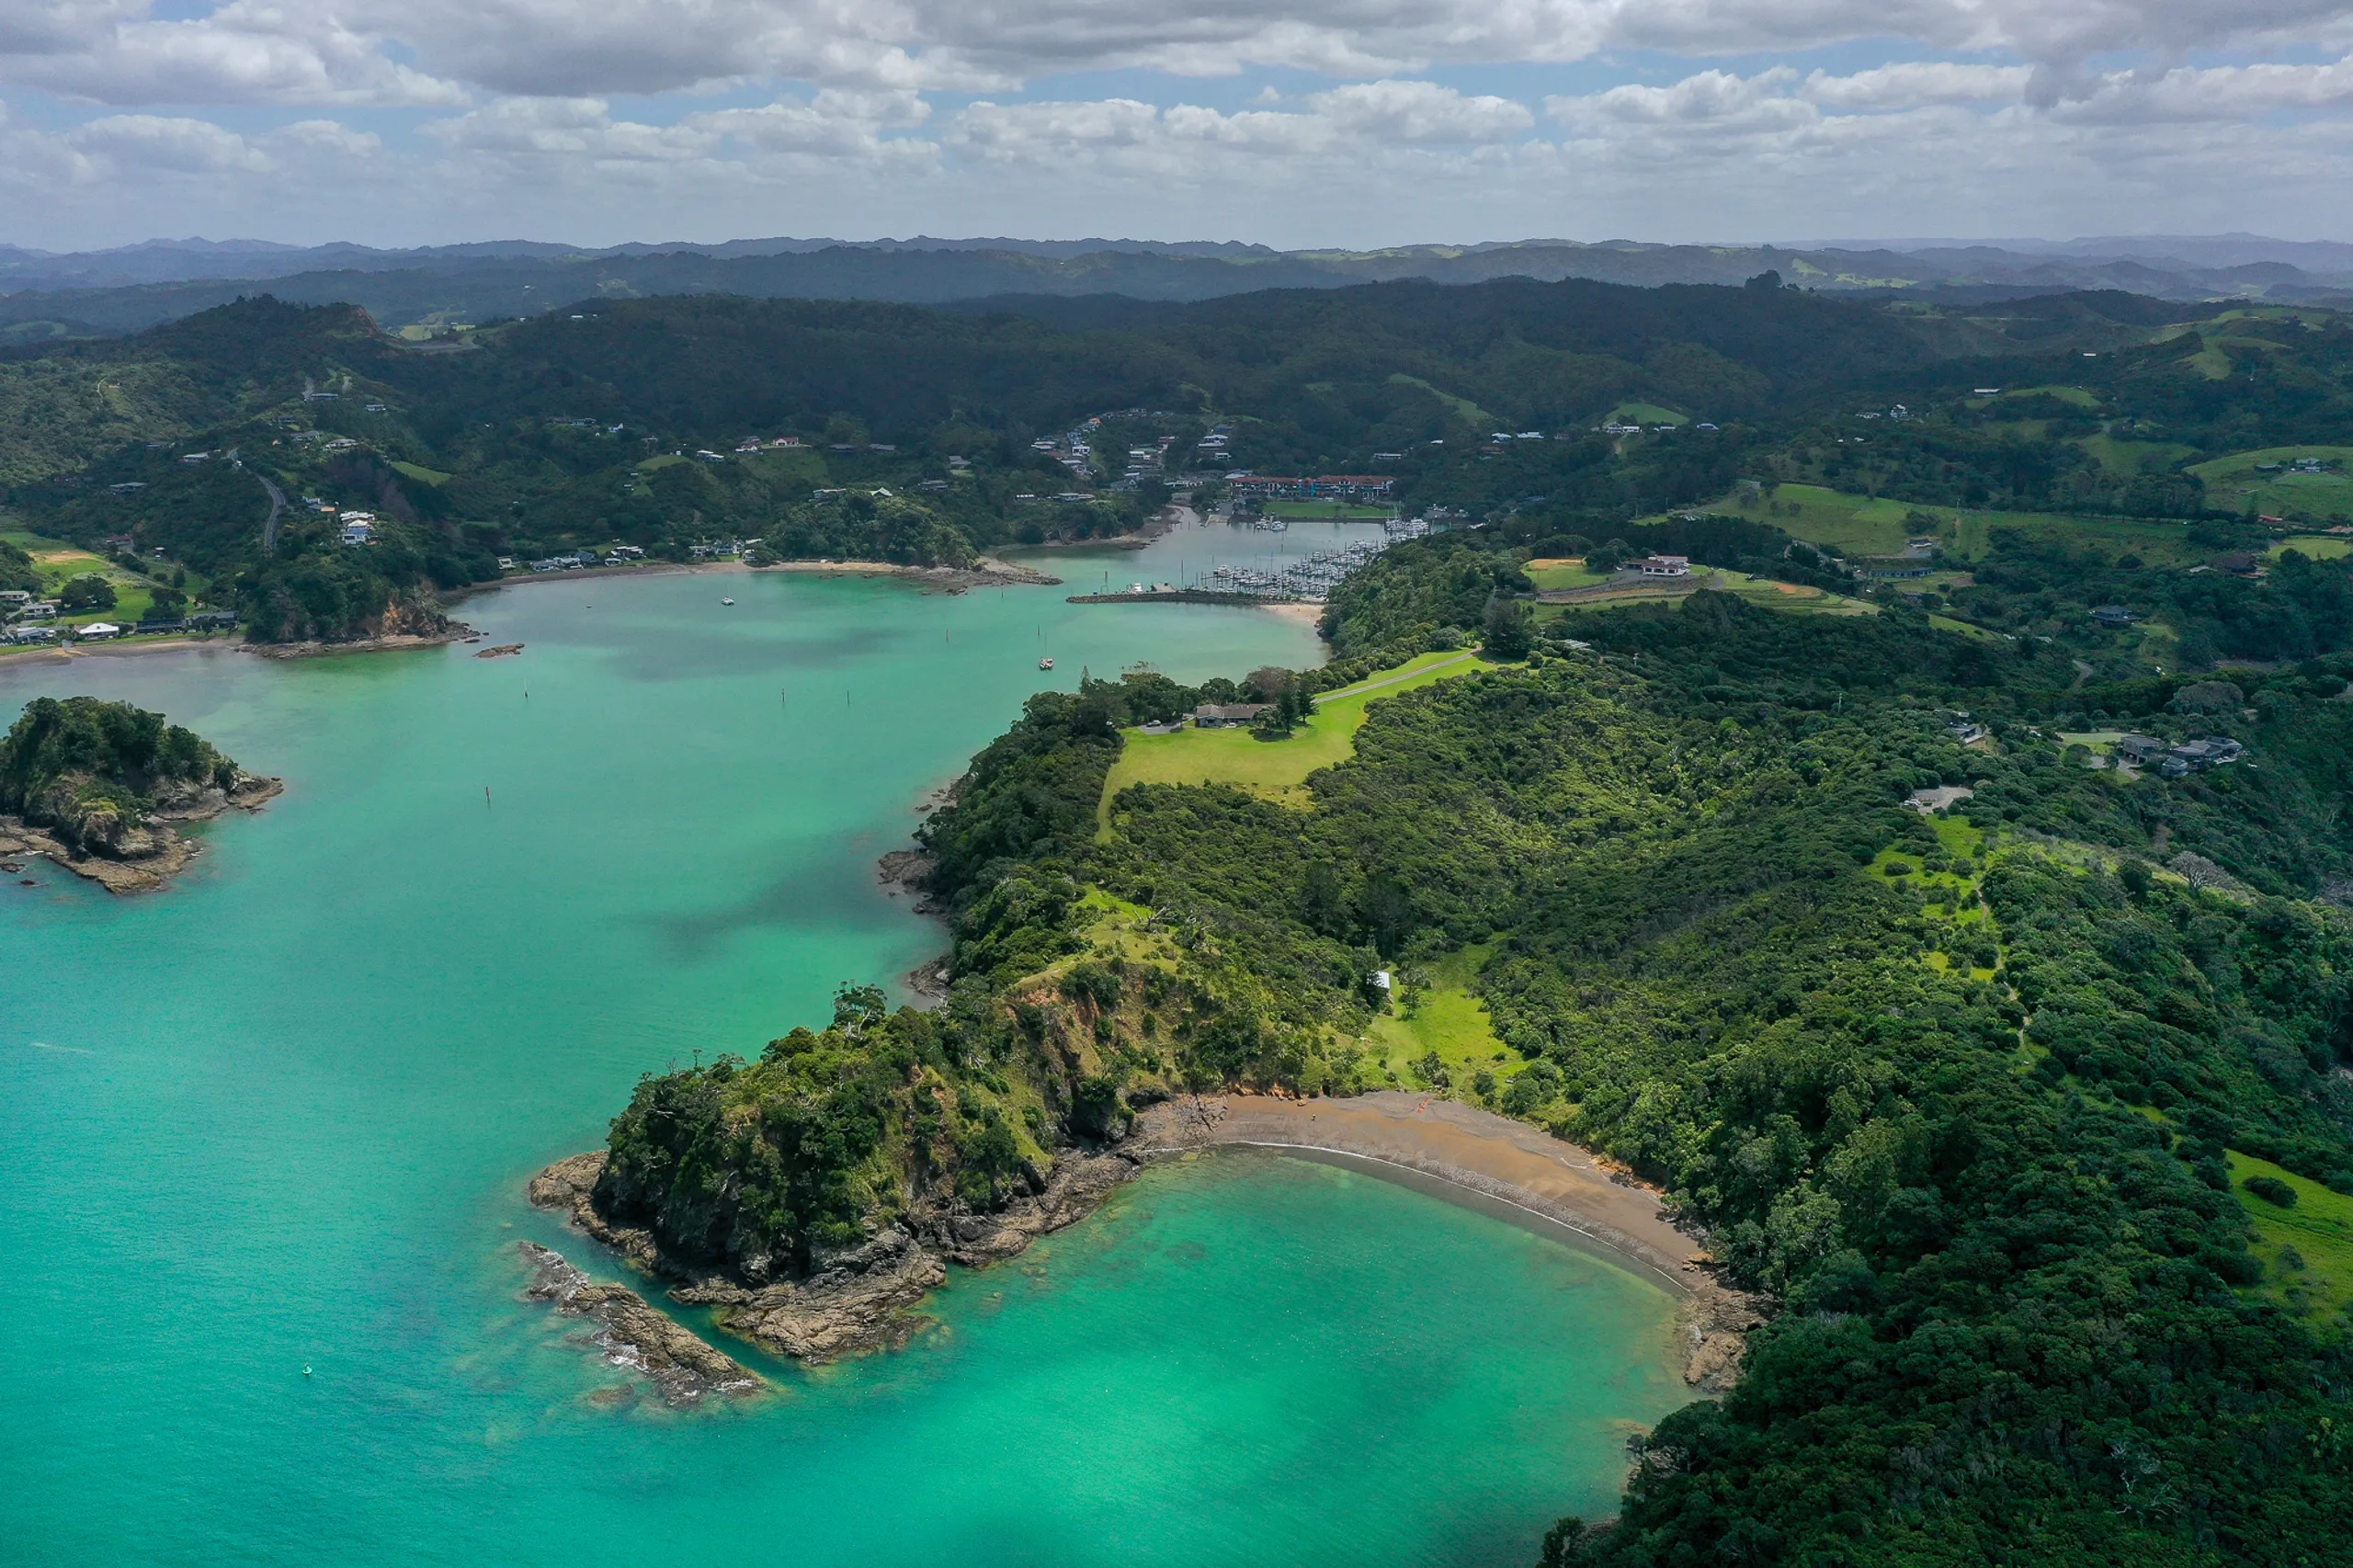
(1664,567)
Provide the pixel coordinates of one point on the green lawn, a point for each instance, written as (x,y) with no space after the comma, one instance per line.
(1644,413)
(59,563)
(2319,547)
(2318,1229)
(1275,769)
(419,471)
(1552,576)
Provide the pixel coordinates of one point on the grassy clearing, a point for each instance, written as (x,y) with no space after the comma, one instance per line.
(2317,1232)
(2077,396)
(1553,575)
(433,476)
(1789,598)
(59,563)
(2235,481)
(1442,1016)
(1276,770)
(1965,629)
(1864,525)
(1461,405)
(2319,547)
(1645,413)
(2128,458)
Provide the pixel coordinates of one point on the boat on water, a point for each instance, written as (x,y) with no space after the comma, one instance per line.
(727,601)
(1045,663)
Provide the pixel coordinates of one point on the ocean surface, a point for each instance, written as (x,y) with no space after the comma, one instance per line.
(278,1119)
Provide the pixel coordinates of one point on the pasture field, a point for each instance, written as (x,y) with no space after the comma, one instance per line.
(1276,770)
(2233,482)
(2319,547)
(1864,525)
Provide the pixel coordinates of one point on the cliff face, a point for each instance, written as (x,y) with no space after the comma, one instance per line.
(92,785)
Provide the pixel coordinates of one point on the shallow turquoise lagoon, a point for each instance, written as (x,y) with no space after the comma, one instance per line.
(281,1114)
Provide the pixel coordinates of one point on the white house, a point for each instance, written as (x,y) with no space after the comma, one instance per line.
(1664,567)
(356,532)
(97,631)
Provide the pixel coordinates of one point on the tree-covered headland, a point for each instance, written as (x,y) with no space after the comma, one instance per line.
(1958,1092)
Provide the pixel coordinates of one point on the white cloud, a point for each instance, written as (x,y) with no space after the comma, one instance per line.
(289,51)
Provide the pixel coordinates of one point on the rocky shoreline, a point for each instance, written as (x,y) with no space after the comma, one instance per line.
(855,1299)
(458,632)
(632,1334)
(146,855)
(867,1297)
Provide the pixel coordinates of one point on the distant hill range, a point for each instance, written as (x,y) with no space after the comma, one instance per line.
(93,294)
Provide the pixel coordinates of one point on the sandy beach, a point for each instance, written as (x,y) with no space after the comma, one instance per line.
(1486,1159)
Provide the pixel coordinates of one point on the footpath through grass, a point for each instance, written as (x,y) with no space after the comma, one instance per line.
(1275,769)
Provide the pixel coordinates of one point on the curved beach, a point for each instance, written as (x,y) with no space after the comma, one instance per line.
(1488,1160)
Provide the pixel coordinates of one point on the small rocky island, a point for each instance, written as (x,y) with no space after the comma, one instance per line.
(95,787)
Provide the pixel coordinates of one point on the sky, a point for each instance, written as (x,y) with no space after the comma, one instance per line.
(1294,123)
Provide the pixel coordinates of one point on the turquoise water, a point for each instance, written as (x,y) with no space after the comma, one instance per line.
(280,1116)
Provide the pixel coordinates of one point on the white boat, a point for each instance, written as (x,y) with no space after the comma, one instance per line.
(1045,663)
(727,601)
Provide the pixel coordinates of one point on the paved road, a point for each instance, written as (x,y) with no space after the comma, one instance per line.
(1393,680)
(276,505)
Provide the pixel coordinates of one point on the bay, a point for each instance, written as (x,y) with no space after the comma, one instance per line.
(277,1118)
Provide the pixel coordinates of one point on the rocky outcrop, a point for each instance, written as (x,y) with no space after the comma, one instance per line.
(632,1334)
(853,1298)
(109,838)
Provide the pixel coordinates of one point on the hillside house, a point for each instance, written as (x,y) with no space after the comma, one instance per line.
(1664,567)
(1226,715)
(2113,616)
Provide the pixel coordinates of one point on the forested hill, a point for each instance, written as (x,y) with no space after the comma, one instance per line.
(896,432)
(2030,1118)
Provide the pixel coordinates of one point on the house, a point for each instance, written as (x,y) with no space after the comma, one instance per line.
(358,533)
(2196,757)
(341,444)
(39,610)
(2113,614)
(1664,567)
(2238,563)
(128,487)
(98,631)
(13,598)
(212,621)
(1225,715)
(32,634)
(196,457)
(2139,749)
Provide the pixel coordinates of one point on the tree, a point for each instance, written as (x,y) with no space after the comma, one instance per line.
(1511,630)
(92,592)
